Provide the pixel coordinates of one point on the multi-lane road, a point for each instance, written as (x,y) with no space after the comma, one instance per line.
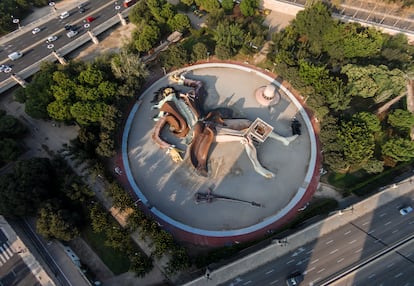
(34,46)
(374,249)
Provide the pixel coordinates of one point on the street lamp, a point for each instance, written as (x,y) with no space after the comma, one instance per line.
(16,21)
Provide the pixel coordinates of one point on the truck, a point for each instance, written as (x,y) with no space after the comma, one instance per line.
(129,3)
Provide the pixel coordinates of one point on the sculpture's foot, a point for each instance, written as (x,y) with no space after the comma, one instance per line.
(290,139)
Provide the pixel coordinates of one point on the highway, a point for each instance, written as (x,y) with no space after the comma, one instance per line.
(34,46)
(346,248)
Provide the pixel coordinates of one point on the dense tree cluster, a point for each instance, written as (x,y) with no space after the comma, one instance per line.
(345,72)
(11,131)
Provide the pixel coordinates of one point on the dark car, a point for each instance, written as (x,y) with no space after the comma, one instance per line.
(68,27)
(294,279)
(82,10)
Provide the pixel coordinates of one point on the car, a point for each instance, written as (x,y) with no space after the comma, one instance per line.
(90,19)
(68,27)
(294,279)
(64,15)
(81,5)
(406,210)
(7,69)
(72,34)
(15,55)
(35,31)
(2,68)
(82,10)
(51,39)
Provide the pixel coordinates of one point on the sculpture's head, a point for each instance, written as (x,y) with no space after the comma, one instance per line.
(163,93)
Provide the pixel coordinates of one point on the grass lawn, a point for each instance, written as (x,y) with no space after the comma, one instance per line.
(117,261)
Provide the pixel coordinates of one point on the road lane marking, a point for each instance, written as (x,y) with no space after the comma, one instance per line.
(365,223)
(383,214)
(394,231)
(309,252)
(309,270)
(273,282)
(390,265)
(248,282)
(387,223)
(371,276)
(348,232)
(290,261)
(351,242)
(333,251)
(322,270)
(371,231)
(340,260)
(329,242)
(398,275)
(270,271)
(359,250)
(314,261)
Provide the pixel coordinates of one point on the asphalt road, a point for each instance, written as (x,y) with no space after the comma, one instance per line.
(344,248)
(34,46)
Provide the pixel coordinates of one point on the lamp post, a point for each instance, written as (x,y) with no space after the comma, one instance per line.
(16,21)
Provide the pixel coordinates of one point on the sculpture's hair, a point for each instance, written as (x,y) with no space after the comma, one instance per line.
(159,94)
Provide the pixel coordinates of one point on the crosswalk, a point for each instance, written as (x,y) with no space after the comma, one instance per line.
(5,252)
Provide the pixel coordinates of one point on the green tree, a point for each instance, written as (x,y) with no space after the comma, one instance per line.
(59,110)
(176,56)
(401,119)
(208,5)
(120,198)
(9,150)
(399,149)
(369,119)
(200,52)
(127,65)
(374,81)
(11,127)
(227,5)
(87,112)
(248,7)
(24,190)
(180,22)
(99,218)
(230,36)
(56,223)
(140,264)
(147,38)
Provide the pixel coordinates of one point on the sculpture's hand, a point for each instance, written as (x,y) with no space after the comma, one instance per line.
(175,154)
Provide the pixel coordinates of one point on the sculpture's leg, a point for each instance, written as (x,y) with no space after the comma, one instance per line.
(285,140)
(250,150)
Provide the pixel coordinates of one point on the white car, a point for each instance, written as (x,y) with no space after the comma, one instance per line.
(64,15)
(406,210)
(5,68)
(35,31)
(51,39)
(71,34)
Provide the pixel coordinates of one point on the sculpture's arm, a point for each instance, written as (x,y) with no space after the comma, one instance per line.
(171,150)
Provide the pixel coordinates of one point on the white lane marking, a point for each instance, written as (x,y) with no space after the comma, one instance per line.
(290,261)
(348,232)
(371,276)
(322,270)
(387,223)
(383,214)
(390,265)
(340,260)
(248,282)
(309,252)
(359,250)
(398,275)
(270,271)
(371,231)
(333,251)
(309,270)
(314,261)
(394,231)
(351,242)
(273,282)
(329,242)
(365,223)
